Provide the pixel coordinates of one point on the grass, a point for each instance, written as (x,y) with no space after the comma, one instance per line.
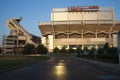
(7,63)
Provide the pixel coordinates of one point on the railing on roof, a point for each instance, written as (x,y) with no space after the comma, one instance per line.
(80,22)
(117,22)
(106,22)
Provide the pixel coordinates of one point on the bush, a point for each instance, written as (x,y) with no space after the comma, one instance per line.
(28,49)
(70,50)
(41,49)
(0,50)
(56,50)
(112,58)
(78,51)
(106,47)
(63,51)
(91,52)
(112,50)
(100,51)
(107,56)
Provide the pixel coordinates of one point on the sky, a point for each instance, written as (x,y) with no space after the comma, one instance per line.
(35,11)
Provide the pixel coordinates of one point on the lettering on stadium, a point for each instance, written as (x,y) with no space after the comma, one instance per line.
(83,8)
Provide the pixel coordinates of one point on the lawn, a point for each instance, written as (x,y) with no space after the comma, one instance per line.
(7,63)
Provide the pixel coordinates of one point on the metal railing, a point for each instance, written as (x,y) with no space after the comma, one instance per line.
(80,22)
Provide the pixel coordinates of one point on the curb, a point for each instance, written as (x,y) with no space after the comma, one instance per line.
(109,65)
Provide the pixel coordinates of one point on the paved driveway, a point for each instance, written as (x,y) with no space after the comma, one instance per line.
(62,68)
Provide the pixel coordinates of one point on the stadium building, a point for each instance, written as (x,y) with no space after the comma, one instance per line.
(85,26)
(18,37)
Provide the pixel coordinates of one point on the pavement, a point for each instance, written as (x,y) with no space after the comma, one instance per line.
(109,65)
(62,68)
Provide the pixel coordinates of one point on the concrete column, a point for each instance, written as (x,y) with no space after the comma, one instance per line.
(113,17)
(68,26)
(83,18)
(98,18)
(96,46)
(52,19)
(82,39)
(82,34)
(114,39)
(50,43)
(109,34)
(44,41)
(96,34)
(82,46)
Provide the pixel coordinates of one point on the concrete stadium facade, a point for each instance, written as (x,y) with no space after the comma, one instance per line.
(14,42)
(80,26)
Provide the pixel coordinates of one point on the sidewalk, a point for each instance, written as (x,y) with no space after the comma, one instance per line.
(109,65)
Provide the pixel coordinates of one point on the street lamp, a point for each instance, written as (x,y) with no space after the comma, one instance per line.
(119,46)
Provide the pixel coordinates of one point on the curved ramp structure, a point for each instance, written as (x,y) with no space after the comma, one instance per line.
(18,37)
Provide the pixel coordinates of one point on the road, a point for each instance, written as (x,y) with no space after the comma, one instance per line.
(61,68)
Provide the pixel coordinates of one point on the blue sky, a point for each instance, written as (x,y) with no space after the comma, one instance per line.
(34,11)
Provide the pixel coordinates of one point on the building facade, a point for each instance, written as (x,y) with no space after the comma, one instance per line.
(90,26)
(18,37)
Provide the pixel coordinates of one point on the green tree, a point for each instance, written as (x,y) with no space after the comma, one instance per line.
(91,52)
(28,49)
(63,51)
(100,50)
(56,50)
(41,49)
(78,51)
(86,50)
(71,50)
(112,50)
(0,50)
(106,47)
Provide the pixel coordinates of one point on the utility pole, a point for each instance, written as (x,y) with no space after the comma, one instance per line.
(119,46)
(17,41)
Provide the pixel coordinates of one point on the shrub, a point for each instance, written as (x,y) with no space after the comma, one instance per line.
(63,51)
(112,50)
(41,49)
(100,51)
(56,50)
(0,50)
(91,52)
(28,49)
(108,56)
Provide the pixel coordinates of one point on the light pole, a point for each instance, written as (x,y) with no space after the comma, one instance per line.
(119,46)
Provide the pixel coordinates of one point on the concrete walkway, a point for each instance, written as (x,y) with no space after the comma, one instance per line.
(61,68)
(109,65)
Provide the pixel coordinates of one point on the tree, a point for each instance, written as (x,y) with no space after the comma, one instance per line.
(0,50)
(85,50)
(112,50)
(100,50)
(56,50)
(28,49)
(41,49)
(71,50)
(91,52)
(63,51)
(106,47)
(78,51)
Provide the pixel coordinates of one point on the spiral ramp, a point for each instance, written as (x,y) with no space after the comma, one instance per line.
(18,36)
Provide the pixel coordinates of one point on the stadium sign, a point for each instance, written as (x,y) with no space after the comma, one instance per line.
(83,8)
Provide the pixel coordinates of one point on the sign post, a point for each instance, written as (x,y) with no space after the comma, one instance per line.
(119,46)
